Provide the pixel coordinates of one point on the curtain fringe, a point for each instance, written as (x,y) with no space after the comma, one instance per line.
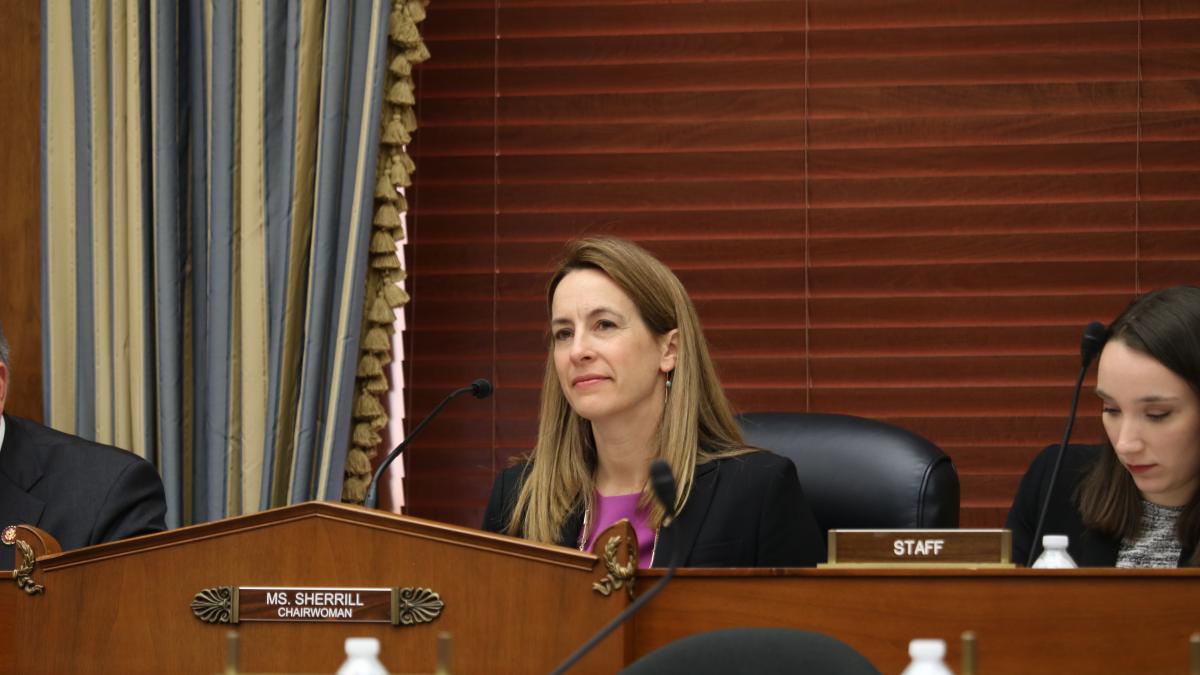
(398,121)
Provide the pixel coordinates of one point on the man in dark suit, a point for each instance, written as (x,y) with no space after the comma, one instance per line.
(81,492)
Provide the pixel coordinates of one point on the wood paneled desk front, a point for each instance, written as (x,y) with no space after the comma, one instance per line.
(514,606)
(1026,621)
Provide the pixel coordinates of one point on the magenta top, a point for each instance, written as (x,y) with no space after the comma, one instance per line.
(611,509)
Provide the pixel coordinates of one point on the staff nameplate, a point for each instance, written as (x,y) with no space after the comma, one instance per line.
(920,548)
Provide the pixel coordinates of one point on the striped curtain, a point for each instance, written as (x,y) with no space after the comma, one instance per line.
(210,170)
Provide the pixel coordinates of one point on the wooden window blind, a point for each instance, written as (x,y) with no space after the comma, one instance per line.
(900,210)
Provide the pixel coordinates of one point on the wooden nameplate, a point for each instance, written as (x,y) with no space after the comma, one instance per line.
(920,548)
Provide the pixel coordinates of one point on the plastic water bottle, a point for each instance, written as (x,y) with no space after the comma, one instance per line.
(362,658)
(1054,554)
(927,658)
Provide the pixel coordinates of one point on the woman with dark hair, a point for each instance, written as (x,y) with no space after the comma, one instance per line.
(1132,502)
(628,379)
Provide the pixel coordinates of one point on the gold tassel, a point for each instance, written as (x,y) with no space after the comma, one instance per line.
(388,261)
(376,340)
(395,133)
(409,117)
(378,385)
(366,407)
(398,172)
(396,17)
(405,137)
(400,205)
(398,234)
(364,435)
(401,92)
(357,462)
(405,177)
(415,10)
(380,312)
(384,359)
(354,489)
(382,242)
(387,215)
(401,28)
(417,53)
(407,161)
(368,366)
(396,296)
(400,66)
(379,423)
(384,189)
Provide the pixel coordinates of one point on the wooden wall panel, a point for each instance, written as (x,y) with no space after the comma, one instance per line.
(20,208)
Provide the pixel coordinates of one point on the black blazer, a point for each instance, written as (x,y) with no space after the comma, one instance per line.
(81,492)
(744,511)
(1088,547)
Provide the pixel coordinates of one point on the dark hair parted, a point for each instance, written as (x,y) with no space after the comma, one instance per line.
(1164,325)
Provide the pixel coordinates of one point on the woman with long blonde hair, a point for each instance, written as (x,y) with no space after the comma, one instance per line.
(629,380)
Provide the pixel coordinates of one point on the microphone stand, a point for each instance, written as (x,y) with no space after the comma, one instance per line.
(480,388)
(1094,336)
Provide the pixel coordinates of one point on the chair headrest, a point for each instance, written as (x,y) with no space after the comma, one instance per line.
(861,473)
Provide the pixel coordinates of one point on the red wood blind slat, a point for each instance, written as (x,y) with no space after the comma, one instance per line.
(457,140)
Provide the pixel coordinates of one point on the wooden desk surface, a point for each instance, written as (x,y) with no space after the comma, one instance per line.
(1026,621)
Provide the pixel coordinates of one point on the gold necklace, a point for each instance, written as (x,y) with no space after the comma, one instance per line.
(583,535)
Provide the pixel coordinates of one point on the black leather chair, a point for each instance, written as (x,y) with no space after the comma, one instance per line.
(860,473)
(761,651)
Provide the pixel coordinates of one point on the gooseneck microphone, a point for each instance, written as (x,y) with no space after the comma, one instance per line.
(663,484)
(480,388)
(1094,337)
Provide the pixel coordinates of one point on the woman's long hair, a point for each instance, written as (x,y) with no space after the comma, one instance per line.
(1164,325)
(697,423)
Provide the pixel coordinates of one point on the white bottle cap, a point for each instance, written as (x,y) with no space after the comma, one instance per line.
(1058,541)
(927,649)
(361,646)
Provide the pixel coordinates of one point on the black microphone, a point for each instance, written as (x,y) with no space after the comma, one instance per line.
(480,388)
(1094,337)
(663,483)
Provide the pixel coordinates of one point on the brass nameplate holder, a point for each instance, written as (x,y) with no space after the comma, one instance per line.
(397,606)
(920,548)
